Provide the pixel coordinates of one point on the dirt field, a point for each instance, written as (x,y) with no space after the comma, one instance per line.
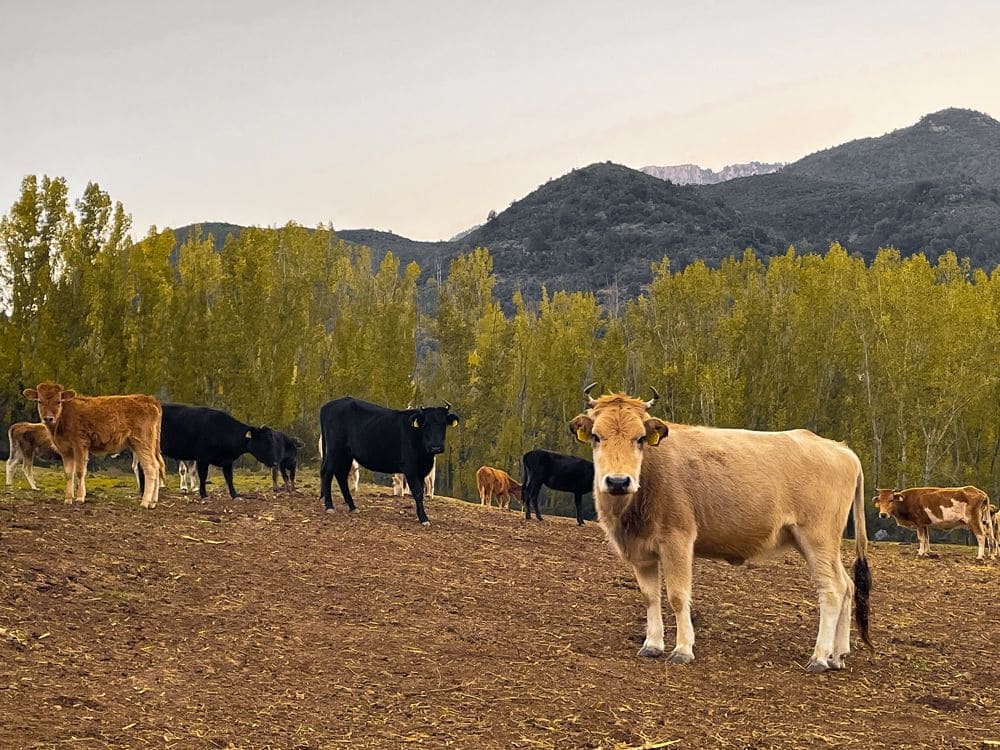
(265,623)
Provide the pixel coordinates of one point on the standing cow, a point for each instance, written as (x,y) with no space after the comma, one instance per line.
(923,508)
(286,456)
(496,483)
(81,425)
(726,494)
(558,472)
(387,440)
(28,441)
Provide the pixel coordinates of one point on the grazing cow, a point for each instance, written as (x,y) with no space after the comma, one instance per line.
(726,494)
(496,483)
(81,425)
(558,472)
(211,437)
(380,439)
(28,441)
(923,508)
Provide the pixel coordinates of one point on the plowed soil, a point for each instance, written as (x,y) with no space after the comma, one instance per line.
(263,622)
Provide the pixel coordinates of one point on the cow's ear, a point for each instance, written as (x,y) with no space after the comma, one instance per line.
(30,393)
(415,422)
(655,430)
(67,395)
(580,427)
(453,420)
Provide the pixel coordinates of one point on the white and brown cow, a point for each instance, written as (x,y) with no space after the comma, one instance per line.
(81,425)
(924,508)
(28,441)
(726,494)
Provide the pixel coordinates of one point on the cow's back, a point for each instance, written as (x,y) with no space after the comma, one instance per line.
(103,424)
(369,433)
(191,433)
(743,489)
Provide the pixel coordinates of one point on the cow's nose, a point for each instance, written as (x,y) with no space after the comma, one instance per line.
(435,449)
(883,515)
(48,420)
(618,485)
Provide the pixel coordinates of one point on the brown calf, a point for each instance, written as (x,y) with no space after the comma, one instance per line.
(923,508)
(667,494)
(81,425)
(28,441)
(496,483)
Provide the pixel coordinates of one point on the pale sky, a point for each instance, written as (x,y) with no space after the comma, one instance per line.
(420,117)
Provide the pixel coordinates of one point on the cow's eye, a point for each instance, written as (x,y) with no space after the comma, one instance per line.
(595,438)
(641,440)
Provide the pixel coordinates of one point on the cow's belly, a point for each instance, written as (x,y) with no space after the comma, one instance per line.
(948,517)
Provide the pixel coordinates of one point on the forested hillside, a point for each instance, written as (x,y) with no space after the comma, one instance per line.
(898,357)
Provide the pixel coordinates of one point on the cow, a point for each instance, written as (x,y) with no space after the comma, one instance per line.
(81,425)
(558,472)
(496,483)
(28,441)
(211,437)
(727,494)
(286,455)
(923,508)
(387,440)
(187,470)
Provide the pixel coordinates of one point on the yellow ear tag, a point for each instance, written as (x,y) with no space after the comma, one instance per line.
(582,436)
(247,436)
(414,424)
(453,422)
(653,439)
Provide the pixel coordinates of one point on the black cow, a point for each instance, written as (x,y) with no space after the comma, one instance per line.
(558,472)
(286,456)
(387,440)
(211,437)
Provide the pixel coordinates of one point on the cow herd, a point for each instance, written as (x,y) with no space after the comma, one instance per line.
(664,493)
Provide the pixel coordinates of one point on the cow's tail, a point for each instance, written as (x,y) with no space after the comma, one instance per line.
(862,573)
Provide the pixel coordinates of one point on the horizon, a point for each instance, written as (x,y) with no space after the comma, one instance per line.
(420,121)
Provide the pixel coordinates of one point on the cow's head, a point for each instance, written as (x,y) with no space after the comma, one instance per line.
(619,428)
(884,501)
(261,443)
(431,422)
(50,398)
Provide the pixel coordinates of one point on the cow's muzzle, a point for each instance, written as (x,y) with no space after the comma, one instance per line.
(49,420)
(618,484)
(436,449)
(883,515)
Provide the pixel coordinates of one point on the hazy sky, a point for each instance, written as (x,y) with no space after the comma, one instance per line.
(420,117)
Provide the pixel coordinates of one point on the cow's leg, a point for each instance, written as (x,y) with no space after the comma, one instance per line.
(12,462)
(842,638)
(69,466)
(923,537)
(326,474)
(578,499)
(831,586)
(81,475)
(676,561)
(274,479)
(151,472)
(416,485)
(227,472)
(202,467)
(291,477)
(651,586)
(975,525)
(28,467)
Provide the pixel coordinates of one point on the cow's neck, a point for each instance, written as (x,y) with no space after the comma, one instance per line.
(614,516)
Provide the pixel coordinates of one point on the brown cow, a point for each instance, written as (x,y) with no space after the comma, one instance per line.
(81,425)
(726,494)
(496,483)
(923,508)
(28,441)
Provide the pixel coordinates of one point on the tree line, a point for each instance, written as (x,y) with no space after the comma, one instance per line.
(899,358)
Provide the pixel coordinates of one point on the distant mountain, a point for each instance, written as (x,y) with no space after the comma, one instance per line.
(930,187)
(692,174)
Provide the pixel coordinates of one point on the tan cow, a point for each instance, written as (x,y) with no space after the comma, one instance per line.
(923,508)
(496,483)
(28,441)
(725,494)
(81,425)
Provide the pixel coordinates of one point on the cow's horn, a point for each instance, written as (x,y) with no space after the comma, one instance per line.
(586,392)
(653,400)
(447,405)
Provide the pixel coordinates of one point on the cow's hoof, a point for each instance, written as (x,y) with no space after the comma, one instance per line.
(680,657)
(816,666)
(838,662)
(68,501)
(330,510)
(650,652)
(425,523)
